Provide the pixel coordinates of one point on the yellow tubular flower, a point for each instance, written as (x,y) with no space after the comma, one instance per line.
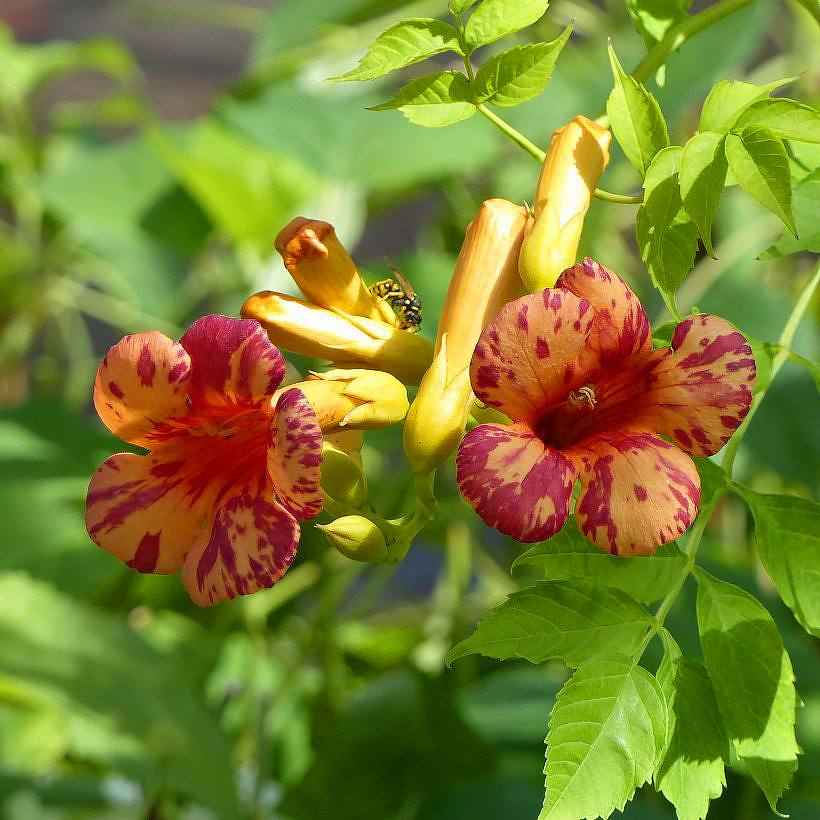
(324,271)
(485,279)
(578,154)
(354,341)
(354,399)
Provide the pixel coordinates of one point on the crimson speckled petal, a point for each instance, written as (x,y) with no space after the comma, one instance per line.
(251,544)
(232,361)
(621,328)
(533,352)
(514,482)
(295,454)
(141,386)
(637,491)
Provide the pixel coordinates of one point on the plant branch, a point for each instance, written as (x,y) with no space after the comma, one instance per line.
(683,31)
(785,342)
(516,136)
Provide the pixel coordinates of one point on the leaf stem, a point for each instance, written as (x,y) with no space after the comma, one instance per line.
(620,199)
(785,342)
(516,136)
(683,31)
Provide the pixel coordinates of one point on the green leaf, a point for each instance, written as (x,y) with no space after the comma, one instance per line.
(662,199)
(245,190)
(569,620)
(691,773)
(753,680)
(434,99)
(569,556)
(606,733)
(759,163)
(653,18)
(519,74)
(670,260)
(635,118)
(403,44)
(806,209)
(787,119)
(127,706)
(494,19)
(810,365)
(728,99)
(460,6)
(702,176)
(787,531)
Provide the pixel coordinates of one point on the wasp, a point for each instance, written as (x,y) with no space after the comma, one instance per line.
(399,294)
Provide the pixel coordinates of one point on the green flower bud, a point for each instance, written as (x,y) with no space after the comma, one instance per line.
(342,477)
(357,538)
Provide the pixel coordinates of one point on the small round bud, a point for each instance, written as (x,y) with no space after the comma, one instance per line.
(357,538)
(342,477)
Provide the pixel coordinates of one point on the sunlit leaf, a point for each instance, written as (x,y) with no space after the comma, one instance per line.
(606,733)
(760,165)
(787,531)
(728,99)
(460,6)
(569,620)
(787,119)
(635,118)
(690,773)
(806,209)
(434,100)
(569,555)
(519,74)
(493,19)
(753,680)
(702,176)
(403,44)
(653,18)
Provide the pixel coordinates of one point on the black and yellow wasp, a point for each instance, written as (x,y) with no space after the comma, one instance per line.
(399,294)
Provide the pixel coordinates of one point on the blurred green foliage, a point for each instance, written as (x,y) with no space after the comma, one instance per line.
(327,696)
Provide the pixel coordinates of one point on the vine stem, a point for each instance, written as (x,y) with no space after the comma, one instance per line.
(536,153)
(699,527)
(676,36)
(785,343)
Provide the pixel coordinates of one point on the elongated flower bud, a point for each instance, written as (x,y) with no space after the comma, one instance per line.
(323,269)
(355,341)
(342,476)
(578,154)
(356,537)
(354,399)
(485,279)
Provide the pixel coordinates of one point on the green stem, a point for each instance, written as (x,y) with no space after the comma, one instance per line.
(683,31)
(516,136)
(620,199)
(785,342)
(812,7)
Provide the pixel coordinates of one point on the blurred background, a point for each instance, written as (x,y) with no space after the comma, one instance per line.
(149,153)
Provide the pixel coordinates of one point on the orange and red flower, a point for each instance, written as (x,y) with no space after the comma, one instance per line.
(574,369)
(229,471)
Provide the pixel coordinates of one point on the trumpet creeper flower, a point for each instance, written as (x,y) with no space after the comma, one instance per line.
(589,398)
(229,472)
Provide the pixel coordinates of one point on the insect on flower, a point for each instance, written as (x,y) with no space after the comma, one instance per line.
(399,294)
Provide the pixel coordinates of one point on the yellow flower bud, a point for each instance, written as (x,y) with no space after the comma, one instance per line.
(342,476)
(356,537)
(300,327)
(578,154)
(484,280)
(323,269)
(354,399)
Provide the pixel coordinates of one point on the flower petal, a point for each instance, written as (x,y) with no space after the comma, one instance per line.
(295,454)
(703,385)
(232,362)
(141,384)
(533,353)
(513,482)
(621,326)
(637,491)
(138,509)
(249,547)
